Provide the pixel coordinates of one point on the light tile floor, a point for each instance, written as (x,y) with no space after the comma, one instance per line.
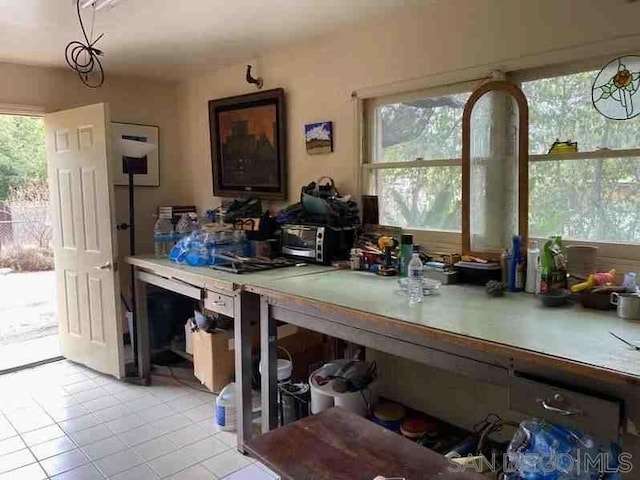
(66,422)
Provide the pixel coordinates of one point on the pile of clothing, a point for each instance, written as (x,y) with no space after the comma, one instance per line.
(320,203)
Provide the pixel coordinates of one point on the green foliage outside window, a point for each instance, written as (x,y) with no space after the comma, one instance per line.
(22,152)
(595,199)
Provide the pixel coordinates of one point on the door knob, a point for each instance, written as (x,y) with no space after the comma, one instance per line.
(105,266)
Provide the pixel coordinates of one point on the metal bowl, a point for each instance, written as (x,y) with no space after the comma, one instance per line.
(556,298)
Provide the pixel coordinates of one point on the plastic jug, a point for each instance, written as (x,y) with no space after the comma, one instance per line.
(226,408)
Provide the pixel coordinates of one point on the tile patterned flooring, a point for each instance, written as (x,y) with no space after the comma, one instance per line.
(65,422)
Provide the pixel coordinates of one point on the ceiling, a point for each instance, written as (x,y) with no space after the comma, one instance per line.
(173,39)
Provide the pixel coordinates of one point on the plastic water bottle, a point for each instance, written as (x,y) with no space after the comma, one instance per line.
(226,408)
(533,268)
(240,244)
(198,254)
(630,283)
(183,227)
(163,236)
(415,273)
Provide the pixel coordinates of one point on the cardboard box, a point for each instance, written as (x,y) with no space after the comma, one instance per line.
(213,360)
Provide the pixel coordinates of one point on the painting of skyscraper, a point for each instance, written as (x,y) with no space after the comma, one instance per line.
(248,147)
(246,140)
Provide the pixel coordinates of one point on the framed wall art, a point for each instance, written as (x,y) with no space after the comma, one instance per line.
(248,145)
(318,138)
(148,168)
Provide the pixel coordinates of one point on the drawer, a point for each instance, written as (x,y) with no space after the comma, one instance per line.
(219,303)
(597,415)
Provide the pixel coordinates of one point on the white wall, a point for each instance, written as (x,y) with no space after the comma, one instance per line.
(454,41)
(131,101)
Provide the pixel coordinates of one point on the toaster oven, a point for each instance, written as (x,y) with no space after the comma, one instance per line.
(317,243)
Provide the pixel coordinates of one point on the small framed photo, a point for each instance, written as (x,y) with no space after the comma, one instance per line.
(319,137)
(147,169)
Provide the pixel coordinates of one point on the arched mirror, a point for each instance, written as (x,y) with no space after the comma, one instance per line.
(495,174)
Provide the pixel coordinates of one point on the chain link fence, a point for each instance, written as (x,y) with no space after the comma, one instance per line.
(24,233)
(25,236)
(25,224)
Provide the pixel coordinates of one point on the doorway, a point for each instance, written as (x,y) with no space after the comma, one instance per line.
(28,322)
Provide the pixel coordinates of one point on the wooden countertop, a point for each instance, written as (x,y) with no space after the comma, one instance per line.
(515,326)
(205,277)
(339,445)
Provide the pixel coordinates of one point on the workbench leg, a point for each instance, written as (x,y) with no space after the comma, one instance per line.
(142,330)
(246,312)
(268,358)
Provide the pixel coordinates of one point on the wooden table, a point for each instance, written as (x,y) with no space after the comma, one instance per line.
(221,292)
(572,339)
(338,445)
(560,364)
(512,342)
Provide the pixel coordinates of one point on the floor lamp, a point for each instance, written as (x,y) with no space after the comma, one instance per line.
(134,162)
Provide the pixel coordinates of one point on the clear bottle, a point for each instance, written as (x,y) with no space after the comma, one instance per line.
(505,260)
(163,236)
(533,268)
(630,283)
(415,273)
(183,227)
(239,242)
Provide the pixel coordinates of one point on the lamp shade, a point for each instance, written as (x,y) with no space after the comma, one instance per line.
(133,148)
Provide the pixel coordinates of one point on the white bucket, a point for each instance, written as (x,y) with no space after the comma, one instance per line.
(324,397)
(320,401)
(353,402)
(284,367)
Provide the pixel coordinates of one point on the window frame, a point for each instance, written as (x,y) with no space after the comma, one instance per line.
(445,238)
(21,110)
(371,104)
(625,256)
(542,73)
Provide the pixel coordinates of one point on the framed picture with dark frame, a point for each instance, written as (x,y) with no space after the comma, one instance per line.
(248,145)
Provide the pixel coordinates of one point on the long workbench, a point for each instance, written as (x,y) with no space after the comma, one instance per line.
(561,364)
(220,292)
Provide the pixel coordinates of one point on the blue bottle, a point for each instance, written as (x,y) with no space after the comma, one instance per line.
(516,266)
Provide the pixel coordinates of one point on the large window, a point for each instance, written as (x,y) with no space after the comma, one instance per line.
(594,195)
(414,163)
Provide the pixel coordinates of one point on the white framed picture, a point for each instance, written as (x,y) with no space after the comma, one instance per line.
(148,168)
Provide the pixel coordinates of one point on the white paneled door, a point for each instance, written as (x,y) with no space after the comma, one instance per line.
(84,242)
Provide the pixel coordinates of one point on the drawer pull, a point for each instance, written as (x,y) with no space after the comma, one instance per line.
(560,411)
(219,303)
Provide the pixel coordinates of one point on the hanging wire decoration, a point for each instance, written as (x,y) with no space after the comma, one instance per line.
(614,89)
(83,58)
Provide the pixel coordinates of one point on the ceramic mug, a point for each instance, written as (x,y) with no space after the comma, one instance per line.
(628,305)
